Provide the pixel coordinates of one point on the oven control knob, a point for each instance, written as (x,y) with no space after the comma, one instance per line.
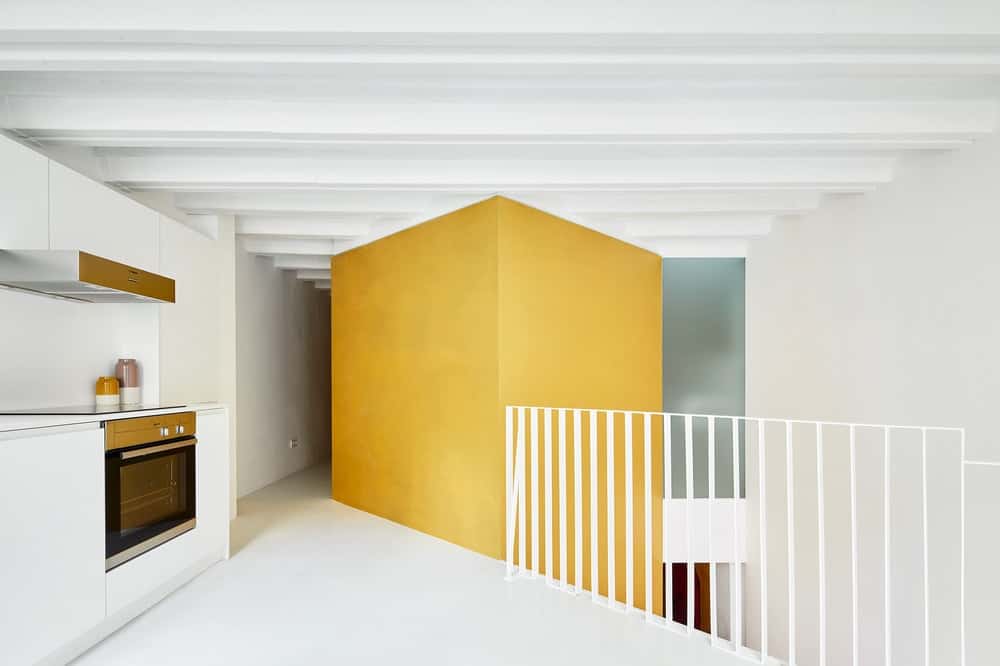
(179,430)
(164,432)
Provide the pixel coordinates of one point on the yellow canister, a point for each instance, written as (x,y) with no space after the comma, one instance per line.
(106,392)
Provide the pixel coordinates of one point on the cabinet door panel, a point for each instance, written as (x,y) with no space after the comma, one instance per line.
(86,215)
(213,480)
(24,198)
(52,560)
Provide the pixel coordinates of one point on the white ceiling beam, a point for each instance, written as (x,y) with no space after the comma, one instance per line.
(534,146)
(300,227)
(409,116)
(273,51)
(467,85)
(313,274)
(322,285)
(297,21)
(277,246)
(180,171)
(301,262)
(704,247)
(384,203)
(593,203)
(714,226)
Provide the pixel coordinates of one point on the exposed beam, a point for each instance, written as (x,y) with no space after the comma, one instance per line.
(179,171)
(597,205)
(290,246)
(163,50)
(699,247)
(313,274)
(485,84)
(704,226)
(303,262)
(668,120)
(527,145)
(317,202)
(300,227)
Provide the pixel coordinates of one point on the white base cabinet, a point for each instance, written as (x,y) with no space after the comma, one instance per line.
(57,600)
(52,525)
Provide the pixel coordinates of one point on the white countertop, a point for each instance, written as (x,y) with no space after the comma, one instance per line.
(29,422)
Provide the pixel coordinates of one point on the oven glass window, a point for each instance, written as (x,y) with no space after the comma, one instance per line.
(147,495)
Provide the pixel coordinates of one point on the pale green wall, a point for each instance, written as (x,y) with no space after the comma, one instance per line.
(704,362)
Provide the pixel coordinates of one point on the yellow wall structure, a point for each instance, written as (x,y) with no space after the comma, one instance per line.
(580,326)
(435,329)
(415,388)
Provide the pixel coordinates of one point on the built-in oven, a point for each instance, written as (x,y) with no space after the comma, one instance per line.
(149,481)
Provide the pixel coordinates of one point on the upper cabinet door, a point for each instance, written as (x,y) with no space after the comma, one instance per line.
(24,198)
(88,216)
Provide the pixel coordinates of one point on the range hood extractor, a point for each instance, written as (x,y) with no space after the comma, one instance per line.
(80,276)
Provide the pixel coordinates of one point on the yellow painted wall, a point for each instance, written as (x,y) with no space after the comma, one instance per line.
(580,326)
(415,390)
(435,329)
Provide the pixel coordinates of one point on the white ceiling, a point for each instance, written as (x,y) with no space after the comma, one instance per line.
(687,143)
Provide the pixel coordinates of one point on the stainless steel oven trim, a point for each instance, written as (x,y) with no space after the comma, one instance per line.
(149,450)
(140,548)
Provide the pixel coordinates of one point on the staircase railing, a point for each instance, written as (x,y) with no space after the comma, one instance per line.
(778,526)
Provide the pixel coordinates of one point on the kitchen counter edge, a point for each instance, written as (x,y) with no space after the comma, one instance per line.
(16,423)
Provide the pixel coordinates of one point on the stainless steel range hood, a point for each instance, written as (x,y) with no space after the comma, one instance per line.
(80,276)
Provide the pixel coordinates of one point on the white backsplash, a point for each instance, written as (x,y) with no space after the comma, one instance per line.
(52,351)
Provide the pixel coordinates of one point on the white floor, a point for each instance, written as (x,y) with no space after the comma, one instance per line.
(312,581)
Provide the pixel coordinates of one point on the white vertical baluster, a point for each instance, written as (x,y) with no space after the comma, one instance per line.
(961,577)
(509,478)
(629,536)
(522,497)
(887,506)
(534,491)
(923,514)
(610,436)
(594,565)
(548,494)
(689,479)
(668,496)
(762,459)
(712,570)
(790,495)
(563,573)
(736,585)
(854,549)
(577,501)
(647,484)
(821,517)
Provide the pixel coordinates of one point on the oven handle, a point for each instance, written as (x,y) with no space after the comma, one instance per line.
(149,450)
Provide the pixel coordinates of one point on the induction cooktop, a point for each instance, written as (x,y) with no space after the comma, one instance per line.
(74,410)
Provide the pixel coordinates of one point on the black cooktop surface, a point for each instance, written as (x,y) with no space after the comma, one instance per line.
(73,410)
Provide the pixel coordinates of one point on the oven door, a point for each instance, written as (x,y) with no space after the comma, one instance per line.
(150,497)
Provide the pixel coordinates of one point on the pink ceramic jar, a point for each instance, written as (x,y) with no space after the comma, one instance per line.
(127,372)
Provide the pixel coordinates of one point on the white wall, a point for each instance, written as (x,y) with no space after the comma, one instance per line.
(52,351)
(883,308)
(283,380)
(198,332)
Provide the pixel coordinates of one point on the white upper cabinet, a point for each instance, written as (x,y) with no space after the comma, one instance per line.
(88,216)
(24,197)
